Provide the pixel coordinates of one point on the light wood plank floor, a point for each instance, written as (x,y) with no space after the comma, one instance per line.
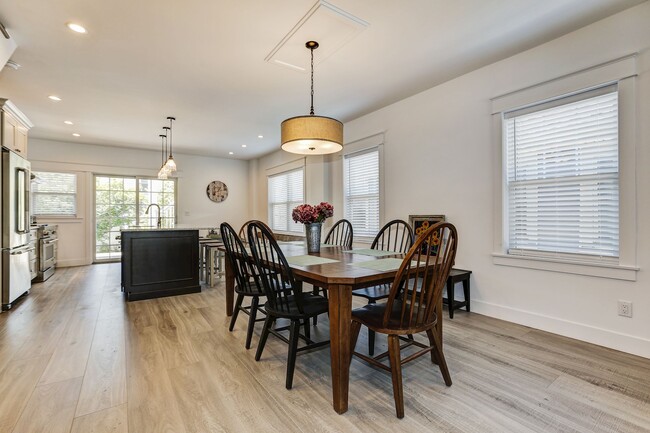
(74,357)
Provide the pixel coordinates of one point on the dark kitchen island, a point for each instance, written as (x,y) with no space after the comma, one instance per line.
(159,262)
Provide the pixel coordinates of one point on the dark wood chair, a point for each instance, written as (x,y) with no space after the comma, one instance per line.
(285,299)
(341,234)
(243,233)
(410,309)
(247,284)
(396,236)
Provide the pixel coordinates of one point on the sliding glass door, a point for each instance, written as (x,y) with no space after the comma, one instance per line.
(122,202)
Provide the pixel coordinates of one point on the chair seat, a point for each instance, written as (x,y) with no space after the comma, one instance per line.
(251,289)
(373,293)
(312,305)
(372,316)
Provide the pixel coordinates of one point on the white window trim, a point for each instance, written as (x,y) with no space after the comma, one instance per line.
(280,169)
(363,145)
(623,72)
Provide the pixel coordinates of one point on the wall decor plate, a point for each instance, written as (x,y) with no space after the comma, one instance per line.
(217,191)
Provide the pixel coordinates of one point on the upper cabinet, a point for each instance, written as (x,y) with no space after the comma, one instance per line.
(14,128)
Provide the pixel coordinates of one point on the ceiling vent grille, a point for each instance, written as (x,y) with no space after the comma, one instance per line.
(331,26)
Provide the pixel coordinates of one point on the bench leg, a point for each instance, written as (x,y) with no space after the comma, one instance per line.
(466,292)
(450,297)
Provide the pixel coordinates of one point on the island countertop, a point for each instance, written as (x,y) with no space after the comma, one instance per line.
(167,229)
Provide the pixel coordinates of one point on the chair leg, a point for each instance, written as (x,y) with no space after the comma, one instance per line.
(396,372)
(307,326)
(294,332)
(355,328)
(251,320)
(442,363)
(268,322)
(235,312)
(371,338)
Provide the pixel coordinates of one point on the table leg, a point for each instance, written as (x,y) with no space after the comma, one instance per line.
(340,310)
(230,288)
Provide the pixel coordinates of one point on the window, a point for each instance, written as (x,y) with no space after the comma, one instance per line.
(286,191)
(562,180)
(361,191)
(122,202)
(54,194)
(565,173)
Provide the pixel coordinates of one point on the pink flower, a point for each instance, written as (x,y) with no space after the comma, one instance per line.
(307,214)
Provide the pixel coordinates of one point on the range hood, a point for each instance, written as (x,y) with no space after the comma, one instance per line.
(7,46)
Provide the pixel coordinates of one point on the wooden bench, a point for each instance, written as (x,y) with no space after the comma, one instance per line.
(457,276)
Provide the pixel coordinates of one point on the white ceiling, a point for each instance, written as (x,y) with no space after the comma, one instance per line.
(203,62)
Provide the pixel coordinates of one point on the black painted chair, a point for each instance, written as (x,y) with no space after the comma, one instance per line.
(410,309)
(397,235)
(247,284)
(341,234)
(285,299)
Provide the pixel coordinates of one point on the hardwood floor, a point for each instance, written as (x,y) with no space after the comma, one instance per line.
(74,357)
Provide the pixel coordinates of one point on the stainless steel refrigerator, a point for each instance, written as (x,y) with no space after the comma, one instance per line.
(16,278)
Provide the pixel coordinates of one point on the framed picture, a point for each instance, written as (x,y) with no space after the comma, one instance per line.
(421,223)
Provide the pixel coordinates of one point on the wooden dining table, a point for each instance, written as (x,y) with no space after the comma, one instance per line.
(340,278)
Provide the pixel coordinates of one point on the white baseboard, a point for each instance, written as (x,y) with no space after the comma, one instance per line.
(71,262)
(602,337)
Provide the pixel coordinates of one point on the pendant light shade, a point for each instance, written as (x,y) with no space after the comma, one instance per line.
(311,134)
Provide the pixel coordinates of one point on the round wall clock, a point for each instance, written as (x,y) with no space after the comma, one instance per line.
(217,191)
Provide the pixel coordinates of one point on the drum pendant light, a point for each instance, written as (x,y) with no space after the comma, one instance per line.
(312,135)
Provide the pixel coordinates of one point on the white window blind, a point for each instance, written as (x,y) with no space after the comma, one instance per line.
(361,191)
(54,194)
(286,191)
(562,176)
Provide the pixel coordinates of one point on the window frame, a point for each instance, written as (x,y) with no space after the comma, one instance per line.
(346,157)
(286,172)
(621,72)
(76,194)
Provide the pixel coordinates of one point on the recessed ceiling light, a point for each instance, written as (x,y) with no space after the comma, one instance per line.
(231,153)
(243,145)
(76,135)
(54,98)
(260,136)
(77,28)
(67,122)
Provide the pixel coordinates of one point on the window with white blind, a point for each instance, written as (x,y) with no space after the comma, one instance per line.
(562,176)
(361,191)
(286,191)
(54,194)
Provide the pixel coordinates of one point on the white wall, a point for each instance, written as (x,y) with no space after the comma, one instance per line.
(195,173)
(438,159)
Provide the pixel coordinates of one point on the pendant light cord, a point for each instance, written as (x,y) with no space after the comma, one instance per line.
(311,112)
(171,119)
(162,148)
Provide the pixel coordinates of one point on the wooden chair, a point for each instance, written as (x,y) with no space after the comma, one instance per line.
(284,295)
(243,234)
(247,284)
(396,236)
(340,234)
(410,309)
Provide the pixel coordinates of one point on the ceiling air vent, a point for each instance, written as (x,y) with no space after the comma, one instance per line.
(330,26)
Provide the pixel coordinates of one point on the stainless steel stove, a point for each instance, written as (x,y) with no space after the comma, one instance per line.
(47,239)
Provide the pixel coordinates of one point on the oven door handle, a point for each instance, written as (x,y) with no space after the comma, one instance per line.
(50,241)
(17,253)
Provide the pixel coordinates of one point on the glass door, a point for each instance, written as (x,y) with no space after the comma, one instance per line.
(122,202)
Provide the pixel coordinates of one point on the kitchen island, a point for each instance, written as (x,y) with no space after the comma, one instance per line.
(159,262)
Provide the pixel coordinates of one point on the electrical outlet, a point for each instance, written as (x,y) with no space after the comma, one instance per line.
(625,308)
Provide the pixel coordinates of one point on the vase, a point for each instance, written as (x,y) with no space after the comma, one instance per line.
(312,231)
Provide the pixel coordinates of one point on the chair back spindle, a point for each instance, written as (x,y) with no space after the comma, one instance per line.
(243,231)
(340,234)
(275,274)
(419,282)
(240,261)
(396,236)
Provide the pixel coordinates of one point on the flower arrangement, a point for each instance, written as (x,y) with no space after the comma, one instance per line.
(308,214)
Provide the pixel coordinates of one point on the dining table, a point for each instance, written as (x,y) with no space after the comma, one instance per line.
(339,270)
